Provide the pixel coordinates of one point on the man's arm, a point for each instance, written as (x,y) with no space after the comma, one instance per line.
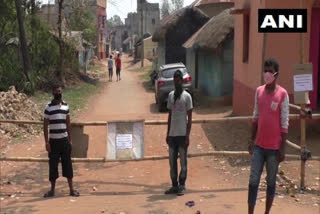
(169,125)
(284,127)
(254,123)
(69,129)
(46,134)
(189,125)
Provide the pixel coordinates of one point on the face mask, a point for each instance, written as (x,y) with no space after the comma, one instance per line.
(57,96)
(178,86)
(268,77)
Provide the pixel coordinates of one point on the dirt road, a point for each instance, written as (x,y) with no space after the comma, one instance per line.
(133,188)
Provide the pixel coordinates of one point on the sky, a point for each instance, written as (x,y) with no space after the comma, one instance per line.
(123,7)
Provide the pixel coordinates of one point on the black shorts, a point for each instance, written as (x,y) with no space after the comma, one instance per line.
(110,71)
(60,149)
(118,71)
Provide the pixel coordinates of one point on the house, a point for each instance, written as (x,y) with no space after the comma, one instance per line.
(118,35)
(213,7)
(49,13)
(251,49)
(174,30)
(83,50)
(210,56)
(150,16)
(138,46)
(149,48)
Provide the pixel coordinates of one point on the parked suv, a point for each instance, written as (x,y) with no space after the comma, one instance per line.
(164,83)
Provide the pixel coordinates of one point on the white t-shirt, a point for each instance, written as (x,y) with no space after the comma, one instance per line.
(110,63)
(179,114)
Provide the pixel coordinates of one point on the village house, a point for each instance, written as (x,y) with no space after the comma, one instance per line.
(210,51)
(49,13)
(210,57)
(252,48)
(174,30)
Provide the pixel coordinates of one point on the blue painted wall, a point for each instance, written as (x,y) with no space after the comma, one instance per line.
(216,71)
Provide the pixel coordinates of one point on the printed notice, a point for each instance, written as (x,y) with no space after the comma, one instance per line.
(303,82)
(124,141)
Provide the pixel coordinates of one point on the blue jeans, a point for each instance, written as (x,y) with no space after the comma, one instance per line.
(177,145)
(259,157)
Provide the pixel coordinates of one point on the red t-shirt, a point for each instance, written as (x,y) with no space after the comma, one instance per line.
(118,63)
(272,115)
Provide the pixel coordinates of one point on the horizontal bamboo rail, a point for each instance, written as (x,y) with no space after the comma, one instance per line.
(293,145)
(153,122)
(306,110)
(150,158)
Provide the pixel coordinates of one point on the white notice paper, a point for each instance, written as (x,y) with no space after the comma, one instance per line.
(124,141)
(303,82)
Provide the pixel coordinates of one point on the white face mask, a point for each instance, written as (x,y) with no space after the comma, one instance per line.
(268,77)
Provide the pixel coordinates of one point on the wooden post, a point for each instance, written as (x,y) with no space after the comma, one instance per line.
(302,119)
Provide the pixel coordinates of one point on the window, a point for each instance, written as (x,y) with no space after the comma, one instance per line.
(170,72)
(246,33)
(153,21)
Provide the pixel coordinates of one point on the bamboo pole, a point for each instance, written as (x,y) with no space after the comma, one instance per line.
(152,122)
(302,119)
(293,145)
(306,111)
(151,158)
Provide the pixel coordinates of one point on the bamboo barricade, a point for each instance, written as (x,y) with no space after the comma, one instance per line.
(150,158)
(154,122)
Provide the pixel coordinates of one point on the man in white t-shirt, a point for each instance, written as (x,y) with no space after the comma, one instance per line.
(179,127)
(110,68)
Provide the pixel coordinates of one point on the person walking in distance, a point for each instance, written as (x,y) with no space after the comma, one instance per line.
(58,142)
(269,134)
(178,132)
(118,67)
(110,68)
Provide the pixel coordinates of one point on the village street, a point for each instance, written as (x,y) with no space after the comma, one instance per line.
(216,185)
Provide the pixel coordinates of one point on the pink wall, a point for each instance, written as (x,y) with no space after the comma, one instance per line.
(284,47)
(247,76)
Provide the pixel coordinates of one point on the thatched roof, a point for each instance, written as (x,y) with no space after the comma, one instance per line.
(213,33)
(170,22)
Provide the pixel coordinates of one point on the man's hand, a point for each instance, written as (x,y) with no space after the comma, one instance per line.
(187,141)
(250,147)
(70,144)
(167,140)
(281,155)
(48,147)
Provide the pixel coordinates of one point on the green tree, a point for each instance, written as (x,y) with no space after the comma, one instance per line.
(23,41)
(81,19)
(114,21)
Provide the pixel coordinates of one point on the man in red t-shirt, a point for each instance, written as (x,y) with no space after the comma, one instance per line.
(118,67)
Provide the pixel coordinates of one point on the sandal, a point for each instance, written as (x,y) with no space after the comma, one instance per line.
(48,194)
(74,193)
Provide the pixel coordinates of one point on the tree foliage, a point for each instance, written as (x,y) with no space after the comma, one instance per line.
(168,7)
(42,47)
(177,4)
(81,19)
(114,21)
(165,8)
